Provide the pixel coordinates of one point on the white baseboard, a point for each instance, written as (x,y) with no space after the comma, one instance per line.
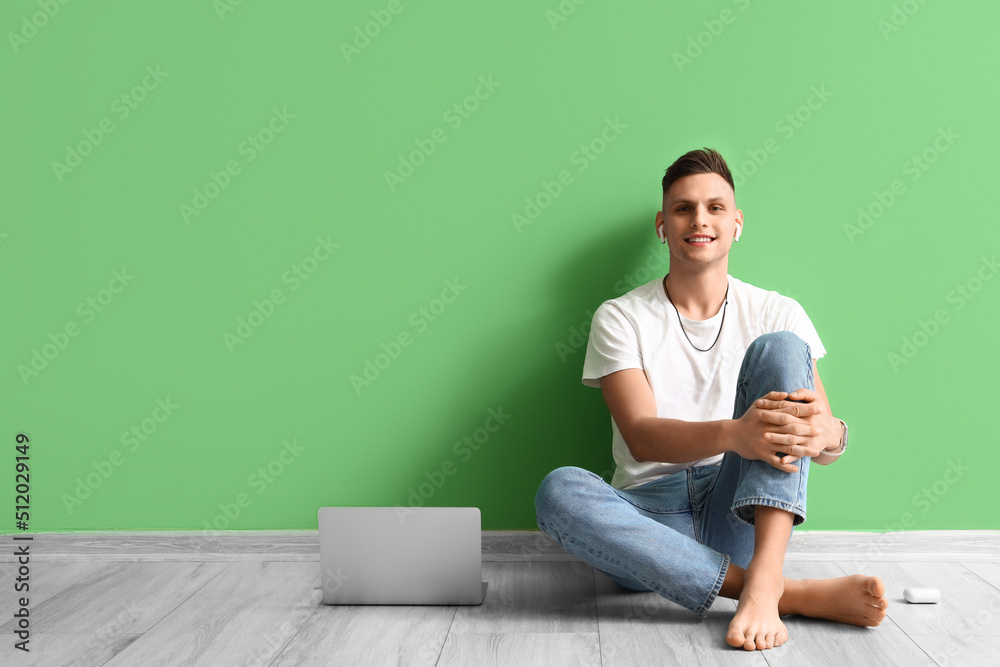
(498,545)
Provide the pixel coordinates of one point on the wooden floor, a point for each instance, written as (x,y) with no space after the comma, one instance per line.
(252,598)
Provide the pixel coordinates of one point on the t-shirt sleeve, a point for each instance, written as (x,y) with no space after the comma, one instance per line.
(795,320)
(612,346)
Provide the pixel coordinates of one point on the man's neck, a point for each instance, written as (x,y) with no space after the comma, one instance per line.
(698,296)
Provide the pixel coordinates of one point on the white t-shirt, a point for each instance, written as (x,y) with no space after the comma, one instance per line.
(639,329)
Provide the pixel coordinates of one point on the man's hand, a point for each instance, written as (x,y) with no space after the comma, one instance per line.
(780,431)
(828,425)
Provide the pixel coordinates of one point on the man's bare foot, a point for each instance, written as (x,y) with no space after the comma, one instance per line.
(857,599)
(756,625)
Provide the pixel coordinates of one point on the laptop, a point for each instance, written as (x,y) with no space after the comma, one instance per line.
(401,555)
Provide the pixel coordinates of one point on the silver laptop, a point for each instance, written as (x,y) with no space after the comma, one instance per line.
(401,555)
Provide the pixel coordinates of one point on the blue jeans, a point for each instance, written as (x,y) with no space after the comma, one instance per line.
(676,535)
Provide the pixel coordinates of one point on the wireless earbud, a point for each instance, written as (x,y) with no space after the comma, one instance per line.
(663,237)
(739,230)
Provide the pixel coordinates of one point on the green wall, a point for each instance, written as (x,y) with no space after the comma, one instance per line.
(172,170)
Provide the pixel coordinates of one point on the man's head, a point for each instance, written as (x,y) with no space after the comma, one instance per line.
(699,200)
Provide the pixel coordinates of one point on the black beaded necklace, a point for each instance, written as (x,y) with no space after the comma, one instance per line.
(724,304)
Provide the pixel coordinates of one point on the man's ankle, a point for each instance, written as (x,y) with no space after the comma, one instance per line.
(764,570)
(789,602)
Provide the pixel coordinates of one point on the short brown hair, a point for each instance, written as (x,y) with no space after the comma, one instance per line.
(701,161)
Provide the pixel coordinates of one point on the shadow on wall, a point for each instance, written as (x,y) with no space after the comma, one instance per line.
(554,420)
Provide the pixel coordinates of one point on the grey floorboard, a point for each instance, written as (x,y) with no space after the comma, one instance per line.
(980,651)
(99,615)
(988,572)
(253,599)
(963,594)
(120,598)
(377,635)
(535,613)
(533,597)
(522,649)
(645,628)
(44,581)
(244,616)
(53,649)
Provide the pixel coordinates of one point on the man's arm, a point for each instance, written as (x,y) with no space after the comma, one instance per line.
(774,434)
(650,438)
(832,423)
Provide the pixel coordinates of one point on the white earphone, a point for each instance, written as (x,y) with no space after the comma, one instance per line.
(663,237)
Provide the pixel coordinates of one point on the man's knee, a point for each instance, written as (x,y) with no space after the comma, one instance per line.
(778,347)
(783,343)
(559,485)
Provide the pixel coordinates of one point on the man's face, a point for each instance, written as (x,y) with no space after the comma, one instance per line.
(695,207)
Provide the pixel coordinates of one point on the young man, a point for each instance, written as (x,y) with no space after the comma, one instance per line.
(717,412)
